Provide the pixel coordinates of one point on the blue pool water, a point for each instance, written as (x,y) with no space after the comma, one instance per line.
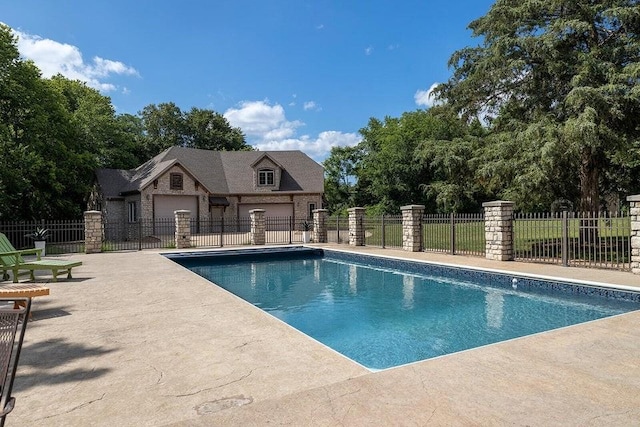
(381,317)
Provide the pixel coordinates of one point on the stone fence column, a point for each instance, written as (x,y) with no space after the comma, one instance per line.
(183,229)
(498,230)
(319,226)
(634,213)
(93,231)
(356,226)
(412,227)
(257,226)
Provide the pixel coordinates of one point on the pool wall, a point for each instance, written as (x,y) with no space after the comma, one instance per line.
(491,278)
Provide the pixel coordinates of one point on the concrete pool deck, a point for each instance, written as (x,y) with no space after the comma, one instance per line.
(136,340)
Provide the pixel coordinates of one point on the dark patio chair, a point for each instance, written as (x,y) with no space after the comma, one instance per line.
(14,313)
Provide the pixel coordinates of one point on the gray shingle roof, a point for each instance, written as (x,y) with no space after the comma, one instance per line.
(220,172)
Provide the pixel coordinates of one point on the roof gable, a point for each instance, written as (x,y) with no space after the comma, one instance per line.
(220,172)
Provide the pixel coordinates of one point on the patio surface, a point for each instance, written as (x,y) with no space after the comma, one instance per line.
(136,340)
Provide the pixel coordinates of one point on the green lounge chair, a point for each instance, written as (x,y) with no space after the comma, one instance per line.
(11,260)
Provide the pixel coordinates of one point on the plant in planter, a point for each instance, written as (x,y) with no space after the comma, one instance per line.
(39,237)
(306,232)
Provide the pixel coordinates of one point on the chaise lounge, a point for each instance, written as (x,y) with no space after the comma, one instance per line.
(12,260)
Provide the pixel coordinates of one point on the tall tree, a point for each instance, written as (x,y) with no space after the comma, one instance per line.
(166,125)
(340,178)
(209,130)
(563,79)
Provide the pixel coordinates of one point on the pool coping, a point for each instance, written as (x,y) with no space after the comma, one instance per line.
(99,346)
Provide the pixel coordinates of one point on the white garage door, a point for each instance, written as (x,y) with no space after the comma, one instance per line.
(164,206)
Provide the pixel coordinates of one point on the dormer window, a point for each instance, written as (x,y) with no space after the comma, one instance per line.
(175,181)
(266,177)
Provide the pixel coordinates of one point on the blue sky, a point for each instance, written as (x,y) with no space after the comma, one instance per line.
(293,74)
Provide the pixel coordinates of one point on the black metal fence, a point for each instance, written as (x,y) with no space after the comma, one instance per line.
(65,236)
(338,229)
(383,231)
(601,239)
(461,234)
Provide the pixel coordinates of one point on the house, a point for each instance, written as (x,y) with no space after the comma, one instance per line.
(211,184)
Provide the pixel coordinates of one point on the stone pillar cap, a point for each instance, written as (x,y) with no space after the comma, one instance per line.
(320,210)
(256,210)
(92,212)
(634,198)
(411,207)
(497,203)
(355,209)
(182,211)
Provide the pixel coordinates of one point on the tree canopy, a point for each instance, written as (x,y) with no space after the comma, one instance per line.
(55,132)
(558,81)
(425,156)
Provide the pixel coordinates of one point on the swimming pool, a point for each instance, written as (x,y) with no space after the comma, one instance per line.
(384,312)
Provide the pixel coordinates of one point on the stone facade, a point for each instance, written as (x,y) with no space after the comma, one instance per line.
(162,187)
(268,164)
(498,230)
(93,230)
(412,227)
(356,226)
(319,226)
(634,213)
(258,227)
(183,229)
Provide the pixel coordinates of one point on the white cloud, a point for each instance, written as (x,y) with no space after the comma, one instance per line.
(368,51)
(53,57)
(258,118)
(320,27)
(318,148)
(311,105)
(426,98)
(267,128)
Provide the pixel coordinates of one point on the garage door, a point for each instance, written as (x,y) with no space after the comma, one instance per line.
(271,210)
(164,206)
(276,214)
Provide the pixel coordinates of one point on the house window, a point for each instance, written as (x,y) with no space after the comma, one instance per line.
(133,211)
(312,207)
(265,177)
(175,181)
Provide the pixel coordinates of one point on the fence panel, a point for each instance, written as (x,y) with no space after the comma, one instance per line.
(437,233)
(155,233)
(284,229)
(65,236)
(383,231)
(235,231)
(600,240)
(537,237)
(454,234)
(338,229)
(469,236)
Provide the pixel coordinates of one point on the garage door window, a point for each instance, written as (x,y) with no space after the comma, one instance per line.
(265,177)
